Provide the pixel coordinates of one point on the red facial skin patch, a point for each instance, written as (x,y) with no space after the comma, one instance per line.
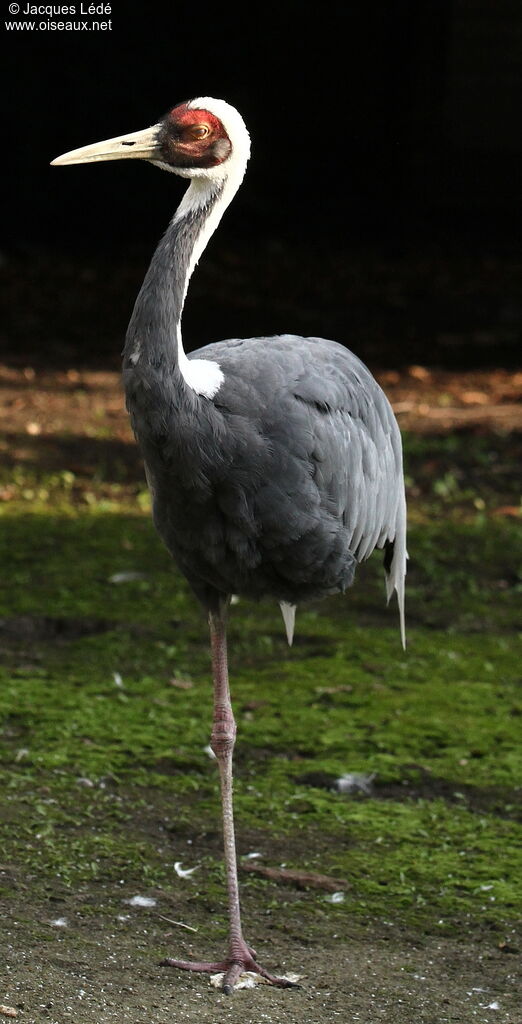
(181,145)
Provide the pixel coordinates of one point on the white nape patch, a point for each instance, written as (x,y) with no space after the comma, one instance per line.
(288,613)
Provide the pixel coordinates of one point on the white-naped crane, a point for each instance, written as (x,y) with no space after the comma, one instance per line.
(274,464)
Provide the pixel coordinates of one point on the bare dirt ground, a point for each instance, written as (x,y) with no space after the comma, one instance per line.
(102,973)
(86,956)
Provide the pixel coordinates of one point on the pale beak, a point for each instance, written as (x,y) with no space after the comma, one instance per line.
(142,145)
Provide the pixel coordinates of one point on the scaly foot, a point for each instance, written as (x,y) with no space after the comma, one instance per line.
(241,959)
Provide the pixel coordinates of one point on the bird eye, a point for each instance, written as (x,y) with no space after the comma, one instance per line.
(199,131)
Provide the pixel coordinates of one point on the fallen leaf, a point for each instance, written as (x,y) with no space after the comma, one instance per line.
(508,510)
(302,879)
(419,372)
(181,684)
(474,398)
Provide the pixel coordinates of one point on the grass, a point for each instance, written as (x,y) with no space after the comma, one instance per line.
(105,709)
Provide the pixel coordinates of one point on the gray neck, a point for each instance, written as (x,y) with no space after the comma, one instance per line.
(154,333)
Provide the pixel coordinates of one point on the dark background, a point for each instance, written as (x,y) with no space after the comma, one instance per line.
(381,205)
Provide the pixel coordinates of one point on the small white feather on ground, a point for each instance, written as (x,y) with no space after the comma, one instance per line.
(141,901)
(183,872)
(248,979)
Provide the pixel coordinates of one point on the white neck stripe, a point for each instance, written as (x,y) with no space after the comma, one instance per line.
(202,375)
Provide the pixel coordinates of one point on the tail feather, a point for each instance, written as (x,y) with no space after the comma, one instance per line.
(395,567)
(288,613)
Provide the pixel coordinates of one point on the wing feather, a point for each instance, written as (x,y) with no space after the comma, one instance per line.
(367,455)
(319,403)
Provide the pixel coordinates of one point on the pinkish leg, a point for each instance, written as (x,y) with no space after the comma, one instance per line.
(240,957)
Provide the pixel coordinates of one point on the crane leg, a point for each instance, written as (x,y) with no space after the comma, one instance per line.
(240,956)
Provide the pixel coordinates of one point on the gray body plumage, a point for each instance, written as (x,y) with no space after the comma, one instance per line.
(283,481)
(285,478)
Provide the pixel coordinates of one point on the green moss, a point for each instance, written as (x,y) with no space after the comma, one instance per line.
(105,709)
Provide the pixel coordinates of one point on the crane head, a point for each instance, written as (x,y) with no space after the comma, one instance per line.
(204,137)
